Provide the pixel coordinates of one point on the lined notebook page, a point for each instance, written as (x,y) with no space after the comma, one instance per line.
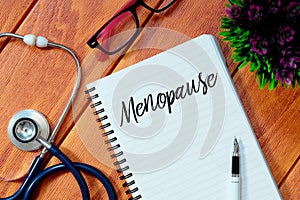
(181,147)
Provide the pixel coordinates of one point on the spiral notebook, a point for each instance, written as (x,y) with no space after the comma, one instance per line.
(170,121)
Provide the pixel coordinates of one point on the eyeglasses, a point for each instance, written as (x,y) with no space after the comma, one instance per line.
(124,26)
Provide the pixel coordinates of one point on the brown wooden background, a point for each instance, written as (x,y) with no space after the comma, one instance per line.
(43,80)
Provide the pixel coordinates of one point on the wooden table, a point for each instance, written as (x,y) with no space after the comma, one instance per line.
(43,80)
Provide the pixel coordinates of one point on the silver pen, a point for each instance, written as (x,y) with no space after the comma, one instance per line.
(235,171)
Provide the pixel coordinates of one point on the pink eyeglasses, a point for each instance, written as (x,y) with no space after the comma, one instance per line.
(124,26)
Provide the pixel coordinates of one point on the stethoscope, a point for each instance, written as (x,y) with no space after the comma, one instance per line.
(29,130)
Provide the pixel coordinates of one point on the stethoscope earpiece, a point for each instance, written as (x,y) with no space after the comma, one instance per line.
(25,127)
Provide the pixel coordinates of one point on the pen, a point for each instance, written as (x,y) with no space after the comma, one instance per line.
(235,171)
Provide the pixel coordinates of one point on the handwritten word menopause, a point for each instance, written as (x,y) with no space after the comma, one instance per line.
(167,99)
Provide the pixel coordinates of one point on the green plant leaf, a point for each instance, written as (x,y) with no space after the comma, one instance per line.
(263,80)
(225,33)
(273,82)
(244,63)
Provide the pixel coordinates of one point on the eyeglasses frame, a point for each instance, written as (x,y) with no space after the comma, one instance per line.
(131,7)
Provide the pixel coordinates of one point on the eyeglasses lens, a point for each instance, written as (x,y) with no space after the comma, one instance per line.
(159,4)
(118,32)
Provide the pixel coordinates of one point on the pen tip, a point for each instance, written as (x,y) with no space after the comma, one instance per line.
(235,141)
(236,146)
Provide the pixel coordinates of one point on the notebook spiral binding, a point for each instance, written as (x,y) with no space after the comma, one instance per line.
(113,147)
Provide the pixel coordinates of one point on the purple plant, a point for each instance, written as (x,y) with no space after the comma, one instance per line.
(259,45)
(266,33)
(274,6)
(285,76)
(285,34)
(255,14)
(293,10)
(290,58)
(237,15)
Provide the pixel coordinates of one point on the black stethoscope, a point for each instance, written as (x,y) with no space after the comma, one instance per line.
(29,130)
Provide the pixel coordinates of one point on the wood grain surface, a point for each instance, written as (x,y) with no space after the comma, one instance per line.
(43,79)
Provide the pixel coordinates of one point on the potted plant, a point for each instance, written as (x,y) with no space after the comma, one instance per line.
(266,34)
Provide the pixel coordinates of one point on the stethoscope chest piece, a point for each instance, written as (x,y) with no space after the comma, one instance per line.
(25,127)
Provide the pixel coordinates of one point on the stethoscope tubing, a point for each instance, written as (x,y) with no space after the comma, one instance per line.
(75,88)
(35,175)
(36,165)
(80,167)
(53,150)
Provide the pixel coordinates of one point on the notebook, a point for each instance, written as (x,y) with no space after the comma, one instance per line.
(170,122)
